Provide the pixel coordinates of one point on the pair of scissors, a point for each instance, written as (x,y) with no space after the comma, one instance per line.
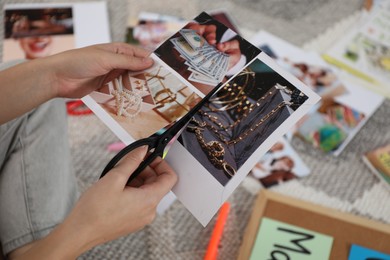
(158,142)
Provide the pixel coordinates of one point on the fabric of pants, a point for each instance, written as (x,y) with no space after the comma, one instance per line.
(37,184)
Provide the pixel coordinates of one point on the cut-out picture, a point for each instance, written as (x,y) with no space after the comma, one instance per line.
(280,164)
(235,122)
(308,67)
(364,50)
(35,33)
(330,126)
(320,79)
(145,102)
(152,29)
(368,53)
(206,52)
(378,160)
(225,18)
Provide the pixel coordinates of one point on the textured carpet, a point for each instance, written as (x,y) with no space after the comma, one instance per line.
(343,183)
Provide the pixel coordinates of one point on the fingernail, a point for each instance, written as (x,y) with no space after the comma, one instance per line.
(115,147)
(147,60)
(144,148)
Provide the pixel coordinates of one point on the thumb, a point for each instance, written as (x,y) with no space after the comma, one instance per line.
(228,46)
(123,61)
(125,167)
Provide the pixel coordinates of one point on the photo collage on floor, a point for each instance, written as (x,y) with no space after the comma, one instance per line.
(364,50)
(340,114)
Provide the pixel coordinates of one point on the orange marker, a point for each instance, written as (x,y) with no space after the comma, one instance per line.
(212,249)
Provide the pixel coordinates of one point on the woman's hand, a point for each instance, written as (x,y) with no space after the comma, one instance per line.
(232,48)
(78,72)
(71,74)
(108,209)
(209,32)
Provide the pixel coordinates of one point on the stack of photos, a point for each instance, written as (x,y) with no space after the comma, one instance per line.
(257,102)
(365,49)
(39,30)
(281,163)
(341,114)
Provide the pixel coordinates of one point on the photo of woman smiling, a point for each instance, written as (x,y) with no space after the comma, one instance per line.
(37,33)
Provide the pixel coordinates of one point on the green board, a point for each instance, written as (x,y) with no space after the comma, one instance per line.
(280,241)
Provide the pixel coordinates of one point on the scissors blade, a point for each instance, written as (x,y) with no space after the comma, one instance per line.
(173,139)
(173,132)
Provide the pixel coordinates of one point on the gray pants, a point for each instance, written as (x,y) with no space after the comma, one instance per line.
(37,184)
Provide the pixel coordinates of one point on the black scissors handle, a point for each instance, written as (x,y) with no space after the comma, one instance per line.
(157,142)
(153,152)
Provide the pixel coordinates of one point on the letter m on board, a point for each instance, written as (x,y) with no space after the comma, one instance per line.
(296,245)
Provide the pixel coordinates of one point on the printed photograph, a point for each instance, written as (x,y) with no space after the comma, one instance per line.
(152,29)
(330,126)
(235,122)
(378,161)
(225,18)
(36,33)
(145,102)
(308,68)
(281,163)
(205,52)
(365,50)
(367,53)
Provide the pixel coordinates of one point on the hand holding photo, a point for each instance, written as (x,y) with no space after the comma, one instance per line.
(254,103)
(206,52)
(193,39)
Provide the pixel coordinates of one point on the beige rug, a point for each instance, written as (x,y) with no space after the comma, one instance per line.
(343,183)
